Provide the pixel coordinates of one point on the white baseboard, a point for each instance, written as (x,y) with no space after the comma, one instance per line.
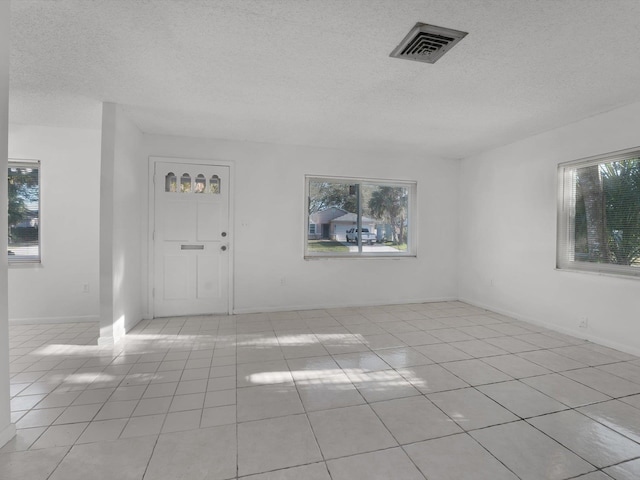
(30,321)
(567,331)
(7,434)
(324,306)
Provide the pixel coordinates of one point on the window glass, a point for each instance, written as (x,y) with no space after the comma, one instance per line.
(201,183)
(359,217)
(599,215)
(215,184)
(24,211)
(185,183)
(170,182)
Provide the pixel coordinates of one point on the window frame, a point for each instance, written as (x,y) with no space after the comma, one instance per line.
(28,260)
(566,205)
(411,238)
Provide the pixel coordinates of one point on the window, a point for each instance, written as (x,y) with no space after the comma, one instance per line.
(599,214)
(355,217)
(185,183)
(170,183)
(215,184)
(201,183)
(24,211)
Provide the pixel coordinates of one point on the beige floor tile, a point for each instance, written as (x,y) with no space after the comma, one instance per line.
(515,366)
(26,402)
(349,431)
(181,421)
(520,447)
(31,465)
(191,401)
(382,385)
(470,409)
(216,416)
(476,372)
(166,389)
(521,399)
(361,362)
(414,419)
(78,413)
(40,418)
(142,426)
(315,471)
(565,390)
(23,439)
(432,378)
(117,409)
(577,432)
(208,453)
(220,398)
(152,406)
(124,459)
(617,415)
(604,382)
(414,364)
(381,465)
(442,352)
(440,459)
(257,452)
(103,431)
(59,436)
(267,401)
(403,357)
(328,392)
(313,367)
(625,471)
(263,373)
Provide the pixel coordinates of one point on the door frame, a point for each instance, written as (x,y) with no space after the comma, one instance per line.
(153,160)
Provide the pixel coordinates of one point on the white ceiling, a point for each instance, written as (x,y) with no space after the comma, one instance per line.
(318,72)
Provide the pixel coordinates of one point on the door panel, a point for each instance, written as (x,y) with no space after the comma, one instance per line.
(179,219)
(208,276)
(191,239)
(176,285)
(208,222)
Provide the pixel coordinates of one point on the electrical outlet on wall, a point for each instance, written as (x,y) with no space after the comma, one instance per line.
(85,288)
(584,323)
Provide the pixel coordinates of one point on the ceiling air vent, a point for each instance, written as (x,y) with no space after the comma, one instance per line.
(427,43)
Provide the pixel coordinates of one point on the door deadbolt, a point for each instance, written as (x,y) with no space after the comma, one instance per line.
(224,234)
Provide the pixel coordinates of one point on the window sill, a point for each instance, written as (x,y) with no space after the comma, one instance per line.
(363,256)
(601,273)
(25,264)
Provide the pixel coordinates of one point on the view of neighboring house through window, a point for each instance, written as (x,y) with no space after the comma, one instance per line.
(599,214)
(359,217)
(24,211)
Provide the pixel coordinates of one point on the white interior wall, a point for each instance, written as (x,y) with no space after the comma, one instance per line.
(270,272)
(7,429)
(507,234)
(122,204)
(130,221)
(70,181)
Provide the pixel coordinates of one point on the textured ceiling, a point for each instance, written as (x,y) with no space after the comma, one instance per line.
(318,72)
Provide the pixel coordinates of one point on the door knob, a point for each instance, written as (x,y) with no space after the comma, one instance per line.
(223,248)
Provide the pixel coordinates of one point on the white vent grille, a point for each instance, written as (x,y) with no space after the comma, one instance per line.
(427,43)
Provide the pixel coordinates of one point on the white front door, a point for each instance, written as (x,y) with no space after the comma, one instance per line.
(191,239)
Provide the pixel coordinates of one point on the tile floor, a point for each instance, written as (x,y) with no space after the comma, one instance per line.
(436,391)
